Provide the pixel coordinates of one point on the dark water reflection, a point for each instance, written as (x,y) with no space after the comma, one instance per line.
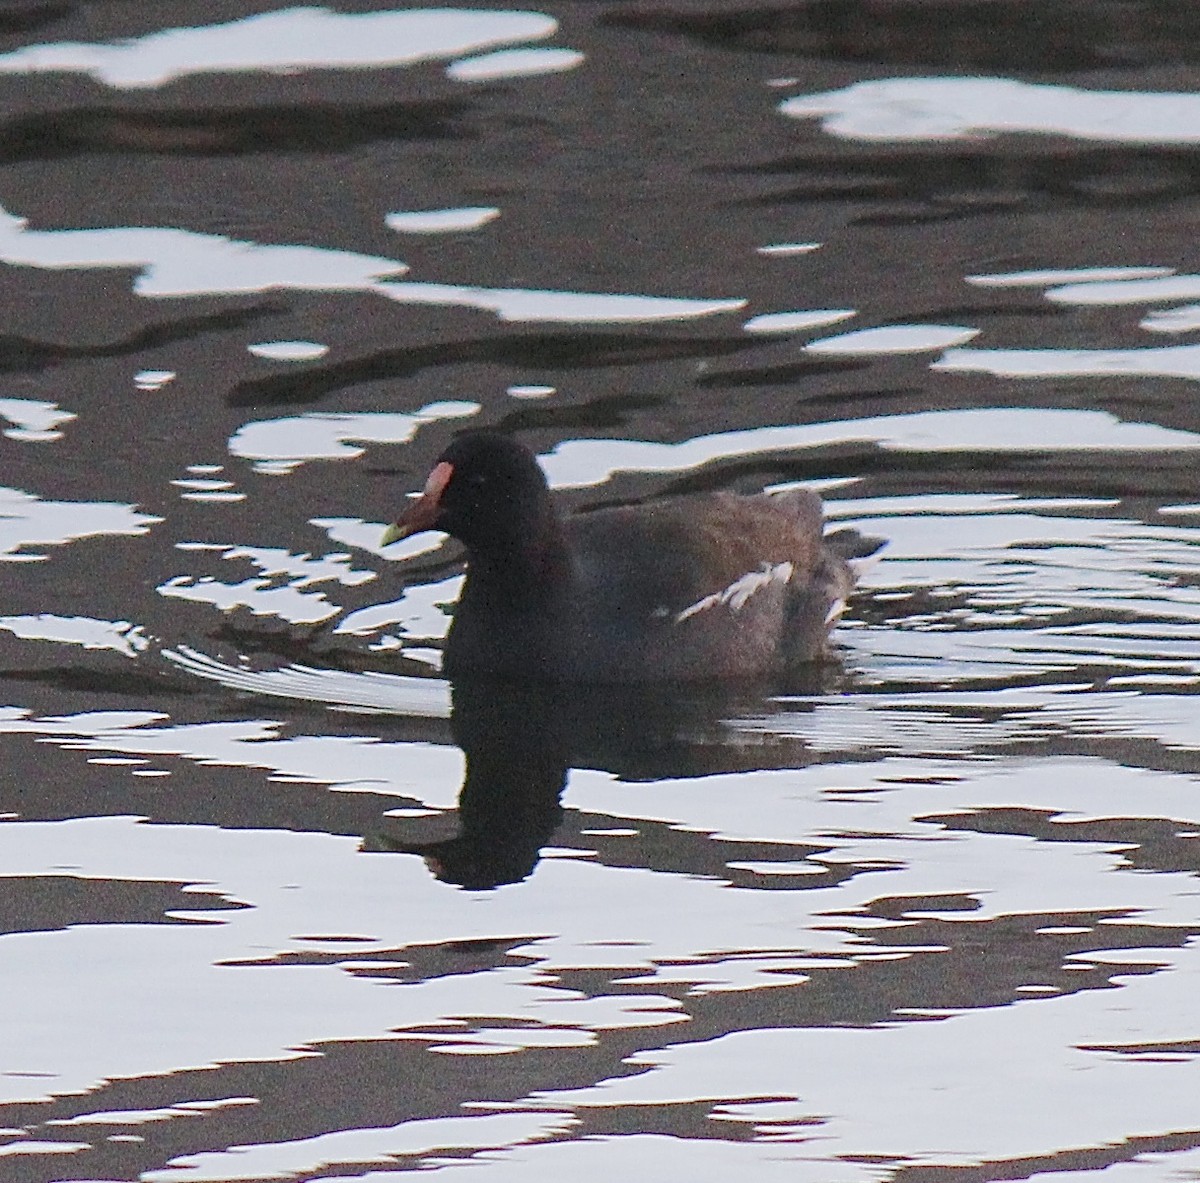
(520,742)
(933,914)
(969,36)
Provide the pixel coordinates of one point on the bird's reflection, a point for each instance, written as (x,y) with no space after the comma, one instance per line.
(520,741)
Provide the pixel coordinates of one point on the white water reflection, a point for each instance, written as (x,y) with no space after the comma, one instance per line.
(362,1147)
(118,635)
(426,698)
(1171,361)
(12,1149)
(671,933)
(208,489)
(257,595)
(888,339)
(1047,277)
(366,535)
(957,108)
(178,263)
(148,1116)
(872,808)
(344,764)
(654,1156)
(33,421)
(290,40)
(1030,587)
(279,588)
(1172,320)
(1097,287)
(1165,719)
(884,819)
(1126,291)
(421,612)
(151,380)
(150,983)
(442,221)
(526,304)
(791,322)
(279,446)
(513,63)
(577,463)
(530,390)
(185,263)
(288,350)
(28,521)
(784,249)
(917,1093)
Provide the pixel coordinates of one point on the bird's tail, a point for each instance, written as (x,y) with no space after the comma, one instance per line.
(860,552)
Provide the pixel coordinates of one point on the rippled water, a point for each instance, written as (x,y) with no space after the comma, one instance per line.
(281,903)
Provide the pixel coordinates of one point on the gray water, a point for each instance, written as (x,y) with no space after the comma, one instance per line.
(929,913)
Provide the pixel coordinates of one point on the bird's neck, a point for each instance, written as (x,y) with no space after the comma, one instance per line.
(527,572)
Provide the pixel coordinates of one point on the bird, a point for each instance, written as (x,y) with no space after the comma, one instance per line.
(706,586)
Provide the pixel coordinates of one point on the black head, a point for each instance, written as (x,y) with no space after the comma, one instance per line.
(486,490)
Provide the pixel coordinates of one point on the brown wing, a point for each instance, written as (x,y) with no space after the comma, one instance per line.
(666,556)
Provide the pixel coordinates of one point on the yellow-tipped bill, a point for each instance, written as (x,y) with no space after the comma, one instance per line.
(396,532)
(422,514)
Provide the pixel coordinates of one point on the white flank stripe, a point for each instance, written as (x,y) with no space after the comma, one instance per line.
(740,590)
(835,611)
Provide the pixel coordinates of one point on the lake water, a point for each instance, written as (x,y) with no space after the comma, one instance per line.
(279,903)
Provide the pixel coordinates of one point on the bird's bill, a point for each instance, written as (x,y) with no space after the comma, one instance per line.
(423,513)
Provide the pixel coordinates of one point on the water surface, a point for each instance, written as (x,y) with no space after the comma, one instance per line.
(281,903)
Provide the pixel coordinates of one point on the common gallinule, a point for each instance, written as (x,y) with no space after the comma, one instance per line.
(714,585)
